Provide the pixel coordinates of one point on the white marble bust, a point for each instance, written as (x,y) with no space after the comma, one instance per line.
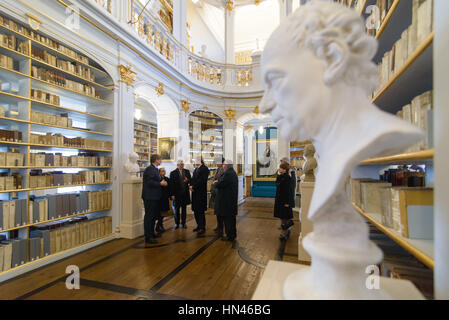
(318,72)
(131,166)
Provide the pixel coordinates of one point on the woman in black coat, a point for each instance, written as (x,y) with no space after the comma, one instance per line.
(282,208)
(164,203)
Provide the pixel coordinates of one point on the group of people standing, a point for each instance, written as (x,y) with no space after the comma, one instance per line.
(181,189)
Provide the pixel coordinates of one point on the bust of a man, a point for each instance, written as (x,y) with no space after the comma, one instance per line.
(318,72)
(131,166)
(310,164)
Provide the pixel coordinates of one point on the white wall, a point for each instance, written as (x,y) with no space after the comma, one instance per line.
(441,133)
(201,34)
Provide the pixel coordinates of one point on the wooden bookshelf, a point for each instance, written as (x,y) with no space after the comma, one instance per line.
(55,51)
(411,80)
(414,75)
(387,18)
(59,253)
(142,139)
(57,219)
(420,249)
(93,122)
(404,157)
(55,187)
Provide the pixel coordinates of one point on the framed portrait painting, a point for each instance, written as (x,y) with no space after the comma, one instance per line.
(167,148)
(265,153)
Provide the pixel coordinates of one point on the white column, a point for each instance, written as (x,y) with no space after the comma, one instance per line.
(441,133)
(285,7)
(229,139)
(123,143)
(122,10)
(229,36)
(180,20)
(183,137)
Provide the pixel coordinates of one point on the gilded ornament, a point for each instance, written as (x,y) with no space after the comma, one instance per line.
(160,89)
(185,106)
(230,114)
(127,75)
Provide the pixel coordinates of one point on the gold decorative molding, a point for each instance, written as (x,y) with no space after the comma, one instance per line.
(256,110)
(249,128)
(256,2)
(160,89)
(230,5)
(230,114)
(185,106)
(33,21)
(127,75)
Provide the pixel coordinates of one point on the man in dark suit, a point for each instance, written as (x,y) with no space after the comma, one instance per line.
(151,195)
(198,186)
(179,181)
(226,201)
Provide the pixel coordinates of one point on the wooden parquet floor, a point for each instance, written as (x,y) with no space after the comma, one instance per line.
(182,265)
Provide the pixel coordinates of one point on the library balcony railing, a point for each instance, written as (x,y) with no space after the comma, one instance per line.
(203,72)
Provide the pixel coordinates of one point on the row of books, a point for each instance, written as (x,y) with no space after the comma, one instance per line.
(11,182)
(60,140)
(12,159)
(6,62)
(61,120)
(384,7)
(10,135)
(411,38)
(14,214)
(143,158)
(141,141)
(45,97)
(11,42)
(142,135)
(61,81)
(420,114)
(58,160)
(68,66)
(404,176)
(408,211)
(141,127)
(139,149)
(39,179)
(52,238)
(8,23)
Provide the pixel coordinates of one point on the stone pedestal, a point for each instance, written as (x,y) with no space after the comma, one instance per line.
(271,285)
(132,217)
(306,189)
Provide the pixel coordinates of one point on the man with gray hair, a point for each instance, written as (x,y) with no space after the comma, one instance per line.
(179,183)
(226,203)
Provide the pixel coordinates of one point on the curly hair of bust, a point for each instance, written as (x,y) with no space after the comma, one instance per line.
(336,33)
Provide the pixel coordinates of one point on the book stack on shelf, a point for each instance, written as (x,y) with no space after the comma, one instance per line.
(206,137)
(145,142)
(50,238)
(420,114)
(411,38)
(55,113)
(399,202)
